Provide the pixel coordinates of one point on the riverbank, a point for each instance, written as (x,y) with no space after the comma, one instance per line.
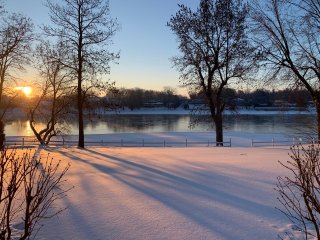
(182,111)
(17,113)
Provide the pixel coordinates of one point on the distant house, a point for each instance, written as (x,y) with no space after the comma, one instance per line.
(282,104)
(197,104)
(153,104)
(240,102)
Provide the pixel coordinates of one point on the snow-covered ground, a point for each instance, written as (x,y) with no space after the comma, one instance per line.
(169,193)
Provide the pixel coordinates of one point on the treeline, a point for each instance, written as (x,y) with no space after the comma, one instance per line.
(137,98)
(267,98)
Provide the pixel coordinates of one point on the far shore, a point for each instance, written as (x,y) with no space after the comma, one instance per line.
(181,111)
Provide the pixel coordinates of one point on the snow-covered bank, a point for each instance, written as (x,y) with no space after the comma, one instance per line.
(181,111)
(169,193)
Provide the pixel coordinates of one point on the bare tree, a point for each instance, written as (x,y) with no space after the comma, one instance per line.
(300,191)
(29,186)
(87,28)
(215,50)
(52,106)
(287,33)
(15,38)
(15,41)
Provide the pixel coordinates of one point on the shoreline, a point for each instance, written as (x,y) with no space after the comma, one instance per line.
(179,111)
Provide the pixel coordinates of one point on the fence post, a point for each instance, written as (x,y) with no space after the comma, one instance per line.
(272,142)
(62,141)
(22,141)
(230,142)
(186,142)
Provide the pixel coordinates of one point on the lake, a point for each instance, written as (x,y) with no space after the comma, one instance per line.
(276,123)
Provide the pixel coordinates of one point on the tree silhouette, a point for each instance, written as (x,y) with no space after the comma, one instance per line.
(287,32)
(215,50)
(86,27)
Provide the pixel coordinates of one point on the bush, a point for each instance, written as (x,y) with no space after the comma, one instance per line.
(300,192)
(28,188)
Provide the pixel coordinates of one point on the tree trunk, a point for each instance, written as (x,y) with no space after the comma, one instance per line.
(216,115)
(1,86)
(219,129)
(2,135)
(38,136)
(80,94)
(80,116)
(317,104)
(81,132)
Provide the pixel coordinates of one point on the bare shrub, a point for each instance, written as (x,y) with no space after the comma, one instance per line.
(300,192)
(29,186)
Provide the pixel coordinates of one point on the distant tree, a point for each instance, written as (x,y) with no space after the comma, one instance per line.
(229,96)
(287,33)
(87,28)
(247,99)
(215,50)
(261,97)
(170,98)
(52,106)
(301,97)
(133,98)
(136,98)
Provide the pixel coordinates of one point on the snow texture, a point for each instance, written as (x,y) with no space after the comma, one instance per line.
(169,193)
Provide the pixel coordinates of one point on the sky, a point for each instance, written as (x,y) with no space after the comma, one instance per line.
(145,43)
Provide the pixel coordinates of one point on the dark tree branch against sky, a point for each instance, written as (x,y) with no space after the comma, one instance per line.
(146,44)
(215,50)
(287,32)
(87,28)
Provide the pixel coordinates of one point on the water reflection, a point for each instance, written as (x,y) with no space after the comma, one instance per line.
(290,124)
(138,123)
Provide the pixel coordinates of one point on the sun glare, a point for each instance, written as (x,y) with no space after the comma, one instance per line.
(26,90)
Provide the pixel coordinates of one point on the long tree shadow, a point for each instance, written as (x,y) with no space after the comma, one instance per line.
(193,198)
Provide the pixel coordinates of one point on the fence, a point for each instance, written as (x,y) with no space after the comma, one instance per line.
(31,142)
(288,142)
(27,142)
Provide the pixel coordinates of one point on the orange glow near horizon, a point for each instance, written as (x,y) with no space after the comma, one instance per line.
(26,90)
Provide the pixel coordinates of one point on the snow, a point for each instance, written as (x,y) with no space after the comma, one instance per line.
(182,111)
(169,193)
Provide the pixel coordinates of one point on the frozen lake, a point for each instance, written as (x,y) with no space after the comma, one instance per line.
(290,124)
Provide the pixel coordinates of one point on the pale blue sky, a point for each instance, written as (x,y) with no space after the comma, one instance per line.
(146,44)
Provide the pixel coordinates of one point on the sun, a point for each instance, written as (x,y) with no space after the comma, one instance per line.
(26,90)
